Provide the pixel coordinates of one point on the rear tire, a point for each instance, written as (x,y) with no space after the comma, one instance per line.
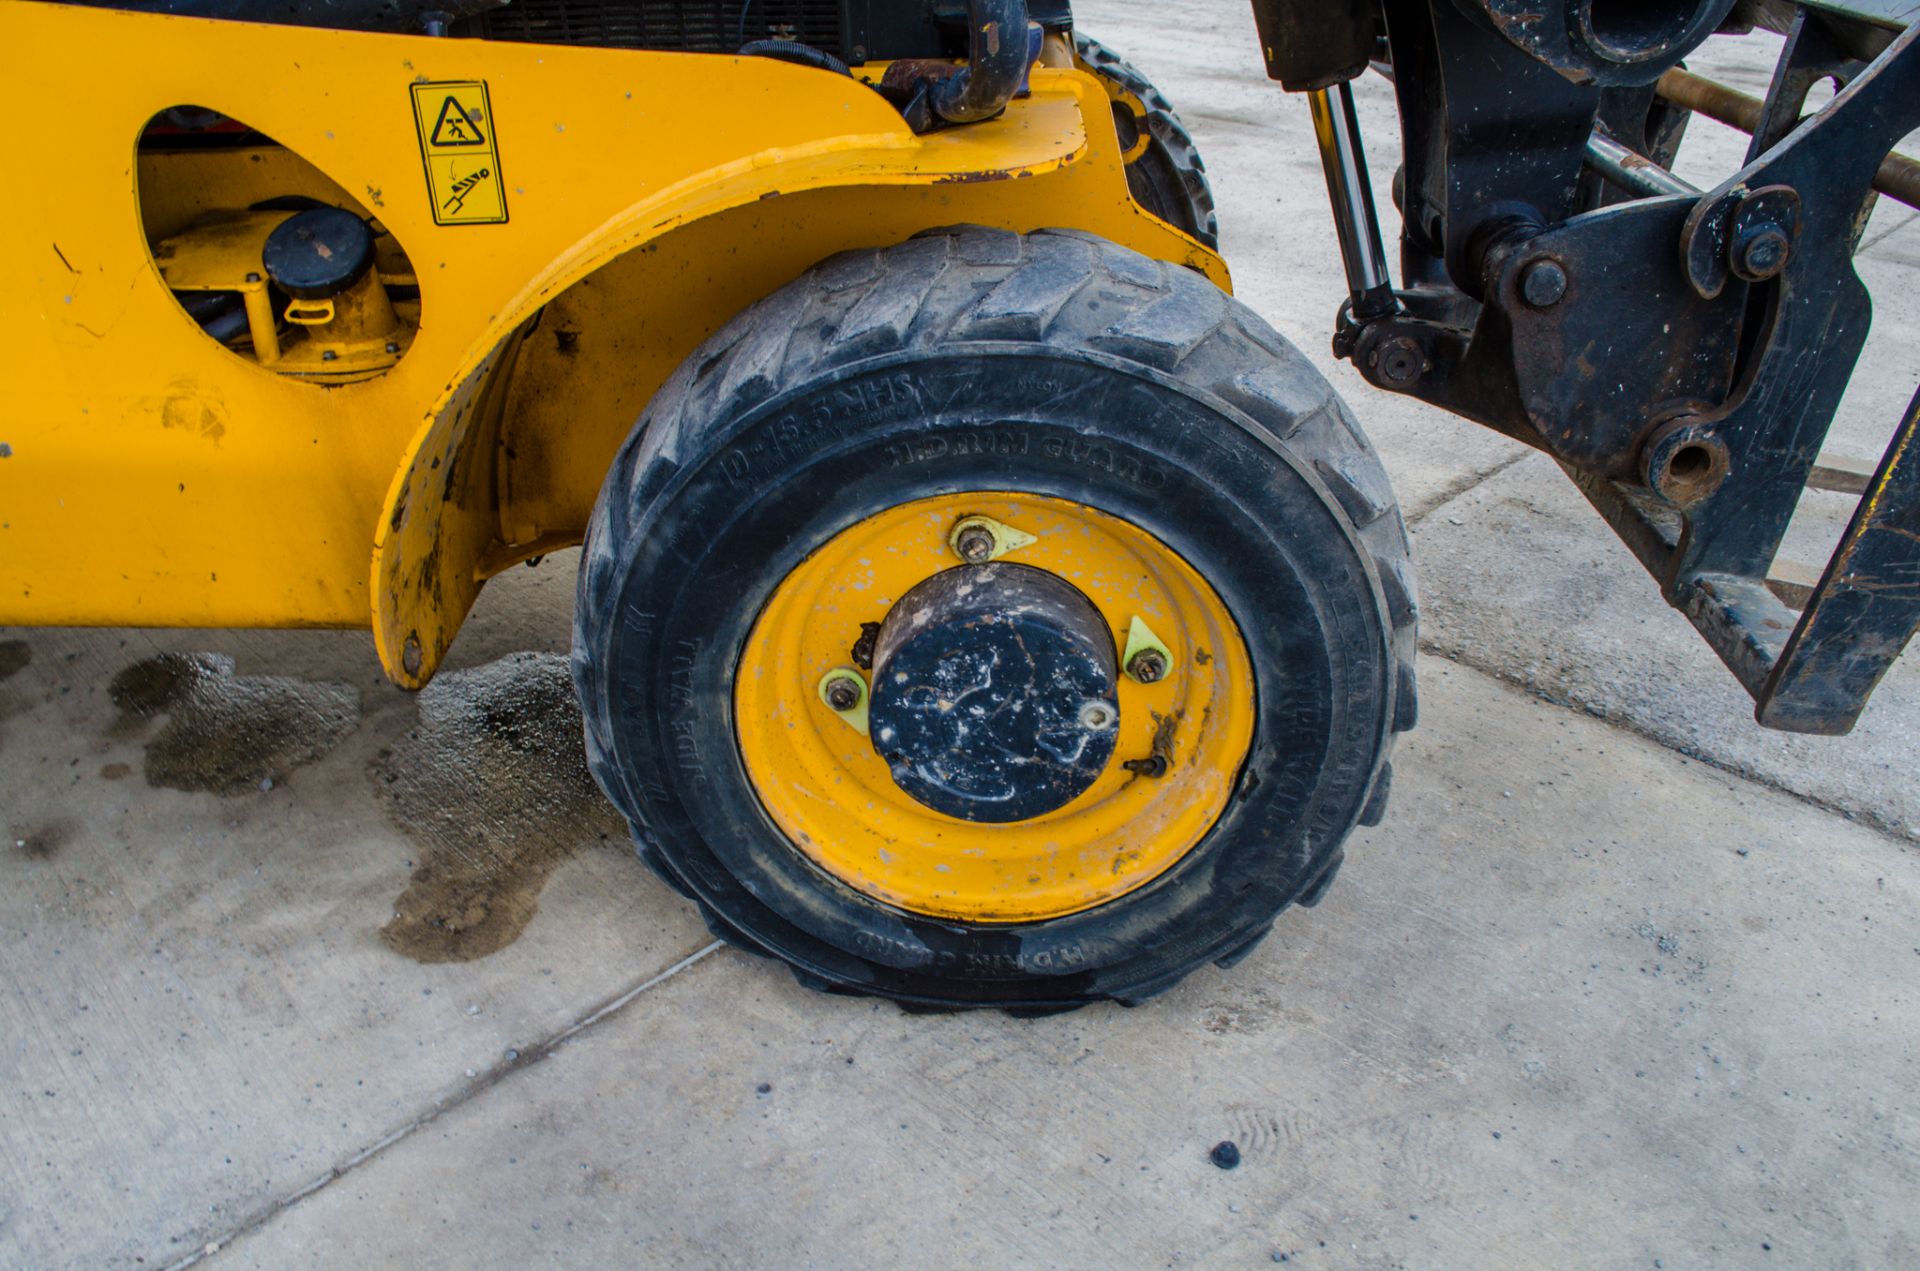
(1168,177)
(1057,364)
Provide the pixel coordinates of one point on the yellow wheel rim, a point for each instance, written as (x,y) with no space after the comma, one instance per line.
(819,779)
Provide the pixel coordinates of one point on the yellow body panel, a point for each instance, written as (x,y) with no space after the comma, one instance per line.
(151,476)
(834,799)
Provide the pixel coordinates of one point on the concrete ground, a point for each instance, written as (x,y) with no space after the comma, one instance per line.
(298,970)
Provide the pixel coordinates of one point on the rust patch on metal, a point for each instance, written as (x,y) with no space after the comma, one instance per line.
(492,787)
(903,76)
(979,175)
(1159,760)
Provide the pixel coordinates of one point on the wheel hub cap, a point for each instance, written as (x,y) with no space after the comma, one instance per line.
(994,692)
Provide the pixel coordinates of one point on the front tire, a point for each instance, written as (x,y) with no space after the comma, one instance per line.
(1046,373)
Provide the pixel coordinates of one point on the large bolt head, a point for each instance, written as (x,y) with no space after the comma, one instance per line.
(1762,253)
(1543,283)
(1401,361)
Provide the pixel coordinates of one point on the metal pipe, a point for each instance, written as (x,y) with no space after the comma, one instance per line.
(1631,171)
(997,57)
(260,321)
(1898,177)
(1337,129)
(1714,100)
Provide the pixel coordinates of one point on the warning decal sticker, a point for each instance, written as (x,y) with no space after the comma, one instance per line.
(461,152)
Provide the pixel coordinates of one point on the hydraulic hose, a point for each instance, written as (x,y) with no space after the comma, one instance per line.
(996,61)
(798,54)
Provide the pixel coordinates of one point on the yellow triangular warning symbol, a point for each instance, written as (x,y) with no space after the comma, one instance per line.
(455,127)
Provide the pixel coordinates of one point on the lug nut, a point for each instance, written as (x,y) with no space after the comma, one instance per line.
(1148,666)
(974,544)
(843,693)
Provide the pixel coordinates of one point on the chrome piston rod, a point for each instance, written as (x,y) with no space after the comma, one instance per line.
(1337,129)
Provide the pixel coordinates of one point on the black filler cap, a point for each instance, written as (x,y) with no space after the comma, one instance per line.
(318,253)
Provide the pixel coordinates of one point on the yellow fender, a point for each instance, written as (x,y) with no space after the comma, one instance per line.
(151,476)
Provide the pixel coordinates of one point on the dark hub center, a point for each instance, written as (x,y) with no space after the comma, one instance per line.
(994,692)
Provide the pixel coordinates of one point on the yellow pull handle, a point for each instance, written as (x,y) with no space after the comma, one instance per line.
(310,313)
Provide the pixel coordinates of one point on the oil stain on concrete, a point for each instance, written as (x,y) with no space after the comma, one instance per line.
(41,843)
(492,786)
(227,734)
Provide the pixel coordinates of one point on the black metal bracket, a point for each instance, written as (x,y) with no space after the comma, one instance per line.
(1680,352)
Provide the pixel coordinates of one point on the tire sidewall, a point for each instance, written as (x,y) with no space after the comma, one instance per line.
(711,543)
